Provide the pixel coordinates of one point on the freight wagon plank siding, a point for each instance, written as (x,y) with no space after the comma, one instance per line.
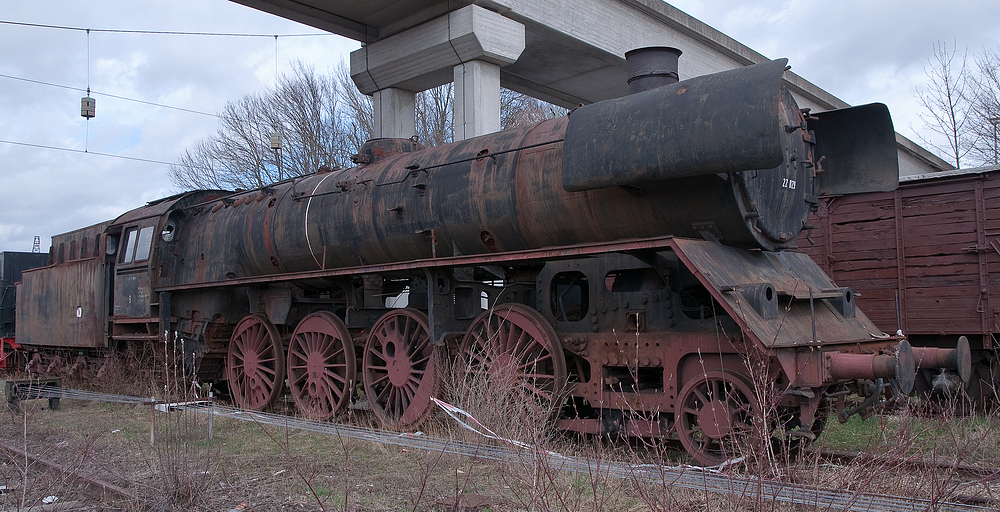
(864,257)
(854,209)
(942,279)
(68,306)
(875,275)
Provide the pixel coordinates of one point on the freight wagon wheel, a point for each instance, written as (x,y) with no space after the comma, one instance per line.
(321,365)
(513,343)
(256,363)
(717,416)
(401,369)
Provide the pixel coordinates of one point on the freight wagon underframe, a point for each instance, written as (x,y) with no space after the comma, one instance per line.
(925,260)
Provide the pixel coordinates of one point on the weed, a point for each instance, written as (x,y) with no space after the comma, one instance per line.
(269,467)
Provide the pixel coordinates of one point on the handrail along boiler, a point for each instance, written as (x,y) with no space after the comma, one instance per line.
(626,262)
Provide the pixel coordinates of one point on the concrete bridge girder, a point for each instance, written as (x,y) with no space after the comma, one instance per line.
(467,46)
(572,51)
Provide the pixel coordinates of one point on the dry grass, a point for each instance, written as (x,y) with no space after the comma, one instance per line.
(247,466)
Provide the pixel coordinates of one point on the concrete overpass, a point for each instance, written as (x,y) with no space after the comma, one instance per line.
(565,52)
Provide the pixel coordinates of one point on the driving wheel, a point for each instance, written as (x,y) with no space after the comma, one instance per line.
(514,343)
(321,365)
(401,369)
(256,363)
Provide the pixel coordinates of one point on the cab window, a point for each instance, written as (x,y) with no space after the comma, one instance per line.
(138,243)
(129,252)
(144,243)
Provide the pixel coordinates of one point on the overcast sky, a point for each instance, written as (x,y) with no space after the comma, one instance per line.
(860,51)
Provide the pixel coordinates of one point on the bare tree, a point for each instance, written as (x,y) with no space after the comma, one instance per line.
(303,109)
(306,109)
(358,116)
(946,101)
(434,115)
(985,107)
(322,120)
(517,109)
(432,111)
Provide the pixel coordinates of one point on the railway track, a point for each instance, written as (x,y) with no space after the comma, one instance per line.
(96,487)
(969,475)
(970,471)
(682,477)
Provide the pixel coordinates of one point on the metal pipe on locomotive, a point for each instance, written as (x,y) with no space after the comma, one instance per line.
(626,262)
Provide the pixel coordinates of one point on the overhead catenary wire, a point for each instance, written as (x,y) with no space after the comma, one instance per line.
(86,140)
(153,32)
(156,32)
(88,62)
(682,477)
(98,93)
(88,90)
(109,155)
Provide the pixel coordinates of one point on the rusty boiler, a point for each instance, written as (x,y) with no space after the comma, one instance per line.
(726,157)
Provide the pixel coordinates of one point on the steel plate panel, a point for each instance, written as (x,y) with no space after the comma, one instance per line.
(727,271)
(64,306)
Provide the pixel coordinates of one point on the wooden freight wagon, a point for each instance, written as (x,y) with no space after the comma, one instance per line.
(923,259)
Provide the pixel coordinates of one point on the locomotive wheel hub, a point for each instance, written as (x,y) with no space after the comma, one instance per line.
(504,366)
(716,419)
(253,384)
(314,368)
(399,368)
(717,415)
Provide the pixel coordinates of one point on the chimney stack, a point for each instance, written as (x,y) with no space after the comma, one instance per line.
(651,67)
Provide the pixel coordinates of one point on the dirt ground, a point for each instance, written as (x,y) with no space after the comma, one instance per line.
(244,466)
(247,466)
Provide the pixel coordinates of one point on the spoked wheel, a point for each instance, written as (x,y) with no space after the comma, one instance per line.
(401,370)
(717,414)
(256,363)
(514,343)
(321,365)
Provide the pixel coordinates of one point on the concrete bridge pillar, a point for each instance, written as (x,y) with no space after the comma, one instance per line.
(394,113)
(477,99)
(468,46)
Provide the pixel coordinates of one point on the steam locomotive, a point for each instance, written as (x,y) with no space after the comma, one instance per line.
(625,264)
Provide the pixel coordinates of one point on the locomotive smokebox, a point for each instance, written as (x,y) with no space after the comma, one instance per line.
(651,67)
